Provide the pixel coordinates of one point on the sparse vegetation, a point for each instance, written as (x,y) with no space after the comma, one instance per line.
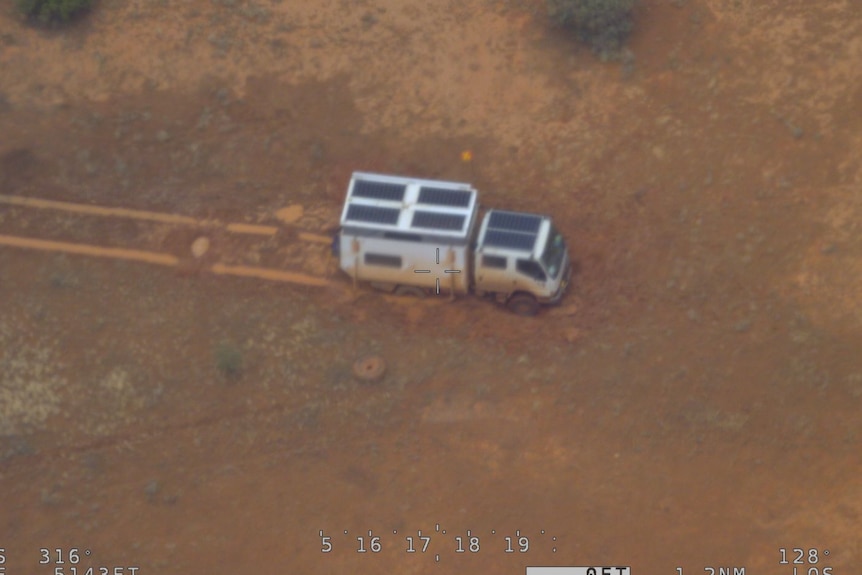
(228,360)
(603,24)
(49,11)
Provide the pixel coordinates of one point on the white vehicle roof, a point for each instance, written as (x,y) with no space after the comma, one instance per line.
(411,205)
(503,232)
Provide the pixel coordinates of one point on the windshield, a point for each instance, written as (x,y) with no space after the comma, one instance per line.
(552,256)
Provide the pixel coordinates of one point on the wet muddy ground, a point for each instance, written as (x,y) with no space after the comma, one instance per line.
(693,403)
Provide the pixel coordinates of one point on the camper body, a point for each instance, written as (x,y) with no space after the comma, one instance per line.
(420,237)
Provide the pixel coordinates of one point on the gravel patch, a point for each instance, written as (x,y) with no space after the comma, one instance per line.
(29,382)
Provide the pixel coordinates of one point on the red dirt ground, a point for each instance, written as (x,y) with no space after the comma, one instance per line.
(694,403)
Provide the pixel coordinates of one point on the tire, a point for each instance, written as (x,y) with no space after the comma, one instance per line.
(411,291)
(523,304)
(335,247)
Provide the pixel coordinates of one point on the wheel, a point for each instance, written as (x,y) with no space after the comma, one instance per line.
(411,291)
(335,247)
(523,304)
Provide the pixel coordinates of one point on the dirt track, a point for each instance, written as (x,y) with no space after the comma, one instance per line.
(694,402)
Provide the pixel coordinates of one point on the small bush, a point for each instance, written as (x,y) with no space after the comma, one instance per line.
(228,360)
(48,11)
(603,24)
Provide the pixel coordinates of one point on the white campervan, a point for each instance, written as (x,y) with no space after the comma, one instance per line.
(417,236)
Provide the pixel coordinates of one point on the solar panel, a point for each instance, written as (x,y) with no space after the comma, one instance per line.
(444,197)
(437,221)
(511,240)
(526,223)
(412,206)
(373,214)
(379,190)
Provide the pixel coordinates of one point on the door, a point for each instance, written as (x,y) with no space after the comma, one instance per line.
(492,274)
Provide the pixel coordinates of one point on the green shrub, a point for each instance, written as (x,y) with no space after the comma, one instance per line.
(53,10)
(603,24)
(228,360)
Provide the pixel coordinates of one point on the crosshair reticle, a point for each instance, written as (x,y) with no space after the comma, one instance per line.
(444,271)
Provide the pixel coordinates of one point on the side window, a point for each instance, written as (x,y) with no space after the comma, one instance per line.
(532,269)
(383,260)
(402,236)
(494,262)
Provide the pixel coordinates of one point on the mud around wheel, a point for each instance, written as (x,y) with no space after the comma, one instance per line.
(411,291)
(370,368)
(523,305)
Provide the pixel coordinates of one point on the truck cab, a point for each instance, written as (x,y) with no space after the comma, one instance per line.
(521,260)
